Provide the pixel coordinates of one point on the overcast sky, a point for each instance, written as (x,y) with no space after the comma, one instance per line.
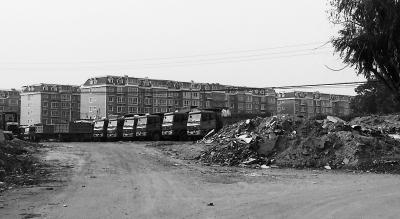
(252,43)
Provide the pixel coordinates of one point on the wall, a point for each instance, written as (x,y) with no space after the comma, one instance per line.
(30,109)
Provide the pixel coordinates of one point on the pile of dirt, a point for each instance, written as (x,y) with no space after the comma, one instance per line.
(18,165)
(294,142)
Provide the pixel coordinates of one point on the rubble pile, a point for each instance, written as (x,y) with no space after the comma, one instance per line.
(387,124)
(239,143)
(295,142)
(17,162)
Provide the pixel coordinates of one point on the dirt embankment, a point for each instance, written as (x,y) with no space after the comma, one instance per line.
(293,142)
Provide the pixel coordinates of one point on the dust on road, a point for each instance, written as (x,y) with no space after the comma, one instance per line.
(132,180)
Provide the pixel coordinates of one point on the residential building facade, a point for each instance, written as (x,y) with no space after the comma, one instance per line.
(121,95)
(49,104)
(310,104)
(10,101)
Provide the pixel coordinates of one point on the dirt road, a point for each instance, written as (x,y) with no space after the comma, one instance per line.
(131,180)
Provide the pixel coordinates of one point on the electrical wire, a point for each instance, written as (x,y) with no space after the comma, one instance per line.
(176,57)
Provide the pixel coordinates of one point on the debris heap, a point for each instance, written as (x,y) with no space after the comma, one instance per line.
(296,142)
(17,162)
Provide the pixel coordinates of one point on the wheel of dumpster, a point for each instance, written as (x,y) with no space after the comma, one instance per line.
(156,137)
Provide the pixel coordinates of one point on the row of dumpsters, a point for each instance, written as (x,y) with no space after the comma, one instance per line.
(169,126)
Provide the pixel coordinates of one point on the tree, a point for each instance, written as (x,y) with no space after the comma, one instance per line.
(369,38)
(372,98)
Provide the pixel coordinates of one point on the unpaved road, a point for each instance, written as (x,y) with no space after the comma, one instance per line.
(131,180)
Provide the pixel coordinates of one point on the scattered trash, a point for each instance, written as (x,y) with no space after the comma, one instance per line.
(253,174)
(327,167)
(249,161)
(265,167)
(65,206)
(209,133)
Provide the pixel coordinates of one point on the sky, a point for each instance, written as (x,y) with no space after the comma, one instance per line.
(253,43)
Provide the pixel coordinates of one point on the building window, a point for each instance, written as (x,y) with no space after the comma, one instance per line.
(120,89)
(132,100)
(249,106)
(110,99)
(65,105)
(133,89)
(65,114)
(120,99)
(120,109)
(164,109)
(186,95)
(170,102)
(45,112)
(147,101)
(111,108)
(13,102)
(55,113)
(186,103)
(195,103)
(163,102)
(176,102)
(147,110)
(65,97)
(54,105)
(92,109)
(262,107)
(155,102)
(90,99)
(133,109)
(45,104)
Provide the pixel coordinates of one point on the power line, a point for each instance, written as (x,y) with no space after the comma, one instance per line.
(176,57)
(179,64)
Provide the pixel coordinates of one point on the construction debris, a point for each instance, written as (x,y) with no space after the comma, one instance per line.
(17,163)
(332,143)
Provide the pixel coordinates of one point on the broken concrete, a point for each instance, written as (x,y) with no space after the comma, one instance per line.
(294,142)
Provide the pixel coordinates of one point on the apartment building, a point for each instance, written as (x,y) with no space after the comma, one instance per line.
(120,95)
(10,101)
(49,104)
(310,104)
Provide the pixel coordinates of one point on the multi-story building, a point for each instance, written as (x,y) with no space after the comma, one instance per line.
(310,104)
(120,95)
(49,104)
(10,101)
